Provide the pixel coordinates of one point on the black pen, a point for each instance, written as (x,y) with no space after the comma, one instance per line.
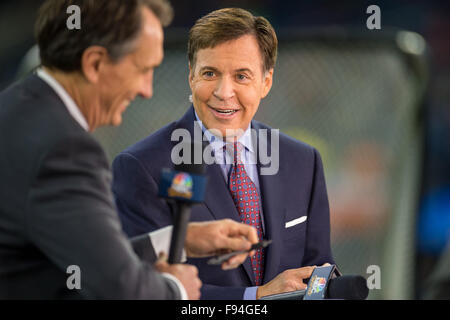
(222,258)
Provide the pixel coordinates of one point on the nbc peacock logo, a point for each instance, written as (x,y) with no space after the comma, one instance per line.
(181,186)
(317,285)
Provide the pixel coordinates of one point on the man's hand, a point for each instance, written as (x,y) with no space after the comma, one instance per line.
(217,237)
(187,274)
(288,280)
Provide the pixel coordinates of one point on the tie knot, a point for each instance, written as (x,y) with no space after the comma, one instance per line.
(235,151)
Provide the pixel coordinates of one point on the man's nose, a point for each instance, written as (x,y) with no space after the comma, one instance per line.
(146,89)
(224,89)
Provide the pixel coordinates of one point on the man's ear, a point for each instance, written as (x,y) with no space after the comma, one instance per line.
(191,75)
(91,62)
(267,83)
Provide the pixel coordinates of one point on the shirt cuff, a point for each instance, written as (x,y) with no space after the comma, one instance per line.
(179,285)
(161,241)
(250,293)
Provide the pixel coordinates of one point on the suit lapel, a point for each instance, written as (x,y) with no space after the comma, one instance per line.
(217,196)
(271,187)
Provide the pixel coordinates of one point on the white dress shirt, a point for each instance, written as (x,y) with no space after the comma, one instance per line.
(65,97)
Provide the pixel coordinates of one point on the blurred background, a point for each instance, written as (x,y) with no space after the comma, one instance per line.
(375,103)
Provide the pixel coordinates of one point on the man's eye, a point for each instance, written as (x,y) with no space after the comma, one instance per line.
(208,74)
(241,77)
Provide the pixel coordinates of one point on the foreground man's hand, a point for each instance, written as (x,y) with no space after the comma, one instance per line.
(288,280)
(187,274)
(217,237)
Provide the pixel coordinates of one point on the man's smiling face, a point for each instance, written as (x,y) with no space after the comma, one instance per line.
(228,83)
(132,76)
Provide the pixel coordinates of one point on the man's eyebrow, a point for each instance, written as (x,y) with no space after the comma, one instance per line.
(144,67)
(208,68)
(245,70)
(150,67)
(217,71)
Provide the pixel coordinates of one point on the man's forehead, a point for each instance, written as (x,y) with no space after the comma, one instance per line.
(236,54)
(149,50)
(228,65)
(152,26)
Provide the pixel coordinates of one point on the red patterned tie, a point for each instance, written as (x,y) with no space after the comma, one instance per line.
(246,200)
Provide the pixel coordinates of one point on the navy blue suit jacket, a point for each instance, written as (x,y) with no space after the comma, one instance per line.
(297,190)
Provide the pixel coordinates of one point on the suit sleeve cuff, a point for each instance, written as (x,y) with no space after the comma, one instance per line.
(250,293)
(161,241)
(179,285)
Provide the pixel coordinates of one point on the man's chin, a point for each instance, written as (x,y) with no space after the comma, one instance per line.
(116,121)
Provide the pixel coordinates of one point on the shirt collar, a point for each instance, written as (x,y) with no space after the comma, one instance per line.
(65,97)
(245,139)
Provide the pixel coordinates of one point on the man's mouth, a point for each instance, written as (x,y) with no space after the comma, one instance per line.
(224,111)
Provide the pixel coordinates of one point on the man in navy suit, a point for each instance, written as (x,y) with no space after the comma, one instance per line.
(231,59)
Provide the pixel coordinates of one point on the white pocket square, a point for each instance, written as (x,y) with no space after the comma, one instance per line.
(295,222)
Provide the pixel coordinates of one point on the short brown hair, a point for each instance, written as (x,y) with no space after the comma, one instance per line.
(229,24)
(112,24)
